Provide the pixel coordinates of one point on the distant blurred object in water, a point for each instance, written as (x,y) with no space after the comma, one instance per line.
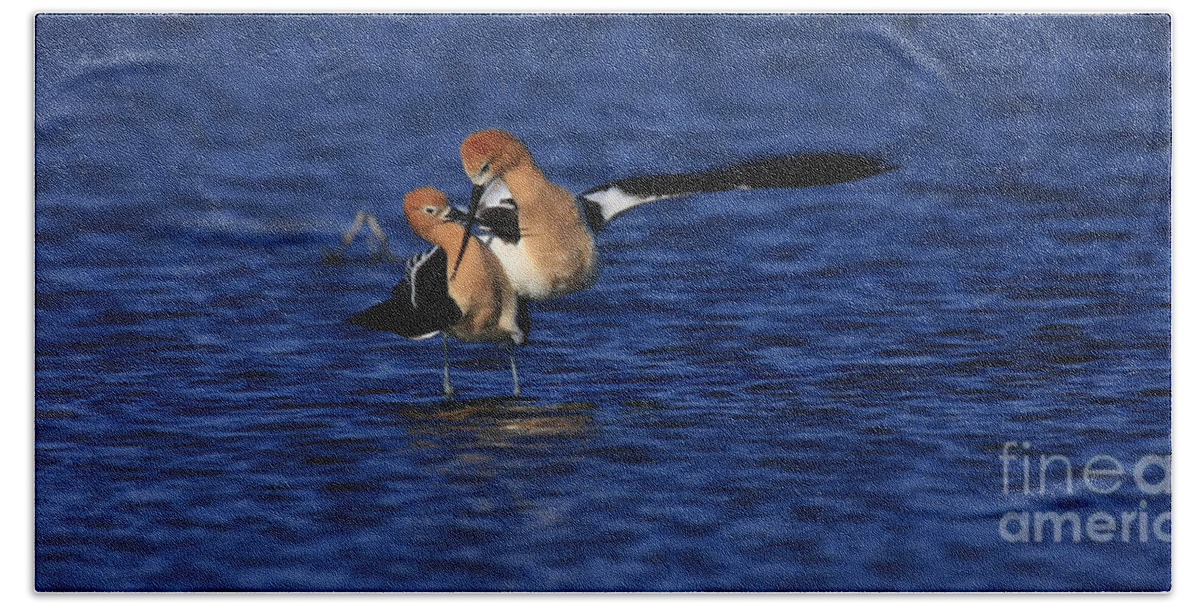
(382,254)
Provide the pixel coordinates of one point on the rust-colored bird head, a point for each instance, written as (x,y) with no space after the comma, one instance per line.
(490,153)
(486,156)
(426,208)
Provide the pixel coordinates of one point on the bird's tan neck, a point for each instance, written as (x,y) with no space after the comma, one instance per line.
(448,236)
(554,238)
(541,202)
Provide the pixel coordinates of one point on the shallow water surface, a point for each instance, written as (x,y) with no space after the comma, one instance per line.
(767,390)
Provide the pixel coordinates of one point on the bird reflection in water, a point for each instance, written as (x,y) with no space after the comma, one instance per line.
(496,422)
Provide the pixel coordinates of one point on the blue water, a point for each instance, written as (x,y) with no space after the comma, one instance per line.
(771,390)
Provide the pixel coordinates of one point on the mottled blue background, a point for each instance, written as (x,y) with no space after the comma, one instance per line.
(773,390)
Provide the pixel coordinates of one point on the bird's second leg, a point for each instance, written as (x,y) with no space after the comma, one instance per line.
(447,390)
(512,360)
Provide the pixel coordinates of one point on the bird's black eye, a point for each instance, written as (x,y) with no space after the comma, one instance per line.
(485,167)
(429,210)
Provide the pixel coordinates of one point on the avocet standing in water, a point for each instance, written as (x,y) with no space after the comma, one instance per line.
(477,304)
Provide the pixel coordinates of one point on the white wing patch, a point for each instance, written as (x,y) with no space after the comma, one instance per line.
(522,274)
(411,267)
(613,200)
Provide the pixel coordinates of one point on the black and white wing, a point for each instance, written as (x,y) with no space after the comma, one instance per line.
(497,214)
(420,306)
(602,203)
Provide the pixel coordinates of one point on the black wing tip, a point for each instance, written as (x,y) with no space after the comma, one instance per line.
(815,168)
(359,318)
(794,170)
(879,165)
(370,318)
(387,315)
(828,157)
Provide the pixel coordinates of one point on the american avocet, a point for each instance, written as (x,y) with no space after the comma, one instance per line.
(544,236)
(477,304)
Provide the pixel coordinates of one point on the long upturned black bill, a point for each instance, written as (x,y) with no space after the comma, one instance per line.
(472,210)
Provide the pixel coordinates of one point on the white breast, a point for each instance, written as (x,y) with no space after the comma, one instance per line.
(522,274)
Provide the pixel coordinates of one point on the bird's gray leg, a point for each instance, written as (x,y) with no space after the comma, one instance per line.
(447,390)
(512,359)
